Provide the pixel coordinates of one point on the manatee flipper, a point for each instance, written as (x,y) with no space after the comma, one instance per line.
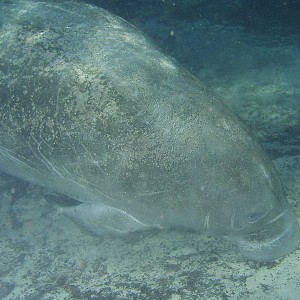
(99,219)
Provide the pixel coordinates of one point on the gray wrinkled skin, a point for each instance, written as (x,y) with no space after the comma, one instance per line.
(91,109)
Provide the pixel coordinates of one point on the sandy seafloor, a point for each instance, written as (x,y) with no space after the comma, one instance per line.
(43,255)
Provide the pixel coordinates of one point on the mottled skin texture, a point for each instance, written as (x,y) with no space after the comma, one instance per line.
(91,109)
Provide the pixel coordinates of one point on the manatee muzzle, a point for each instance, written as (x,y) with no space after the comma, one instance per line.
(272,241)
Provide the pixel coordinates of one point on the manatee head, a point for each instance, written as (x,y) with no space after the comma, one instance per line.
(268,237)
(260,222)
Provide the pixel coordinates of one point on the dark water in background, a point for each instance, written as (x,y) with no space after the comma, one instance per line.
(262,17)
(248,52)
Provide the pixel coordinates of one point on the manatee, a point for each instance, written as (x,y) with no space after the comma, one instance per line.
(91,109)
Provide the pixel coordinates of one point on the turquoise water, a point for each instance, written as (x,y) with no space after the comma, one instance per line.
(254,66)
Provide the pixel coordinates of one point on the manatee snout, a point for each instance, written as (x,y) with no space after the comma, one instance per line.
(270,237)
